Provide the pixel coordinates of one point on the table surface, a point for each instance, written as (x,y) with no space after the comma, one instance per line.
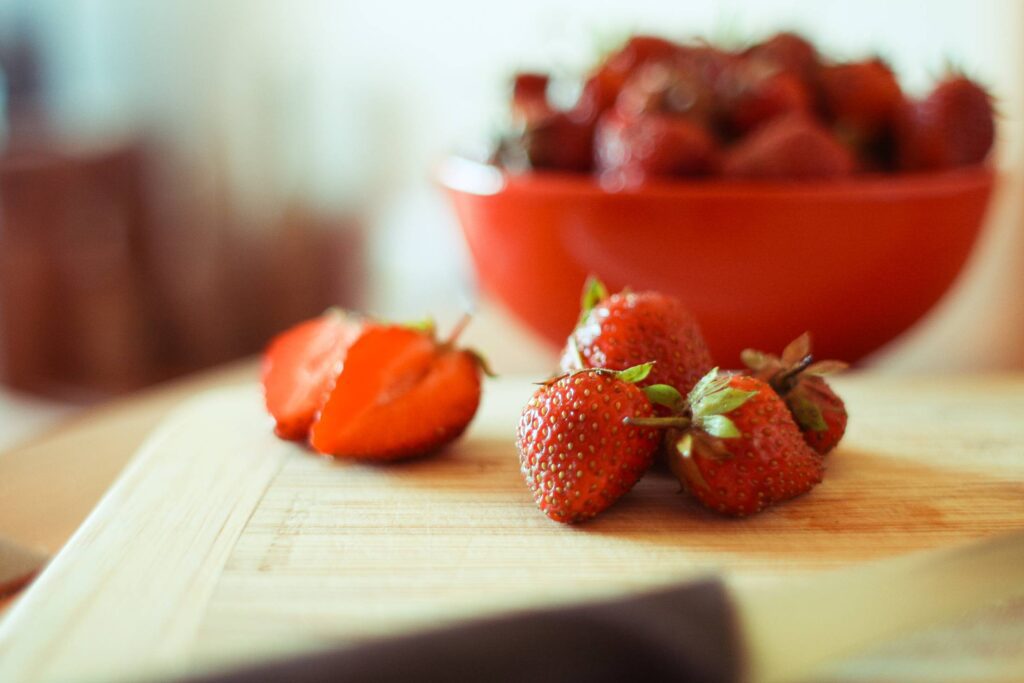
(928,462)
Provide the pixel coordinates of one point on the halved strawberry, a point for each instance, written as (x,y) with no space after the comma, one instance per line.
(300,366)
(401,394)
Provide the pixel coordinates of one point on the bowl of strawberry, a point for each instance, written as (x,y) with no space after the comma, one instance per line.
(769,189)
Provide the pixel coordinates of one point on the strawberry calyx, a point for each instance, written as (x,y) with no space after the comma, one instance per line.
(428,326)
(711,400)
(786,374)
(699,424)
(594,291)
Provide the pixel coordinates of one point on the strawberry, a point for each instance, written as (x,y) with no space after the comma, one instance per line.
(862,98)
(559,142)
(299,368)
(575,452)
(625,329)
(790,147)
(640,50)
(953,126)
(818,411)
(673,88)
(402,393)
(603,86)
(752,95)
(630,150)
(739,450)
(787,53)
(599,93)
(529,97)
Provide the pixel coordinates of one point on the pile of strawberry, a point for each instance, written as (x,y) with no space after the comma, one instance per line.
(639,381)
(778,109)
(358,388)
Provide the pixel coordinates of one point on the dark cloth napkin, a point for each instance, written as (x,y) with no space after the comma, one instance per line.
(686,633)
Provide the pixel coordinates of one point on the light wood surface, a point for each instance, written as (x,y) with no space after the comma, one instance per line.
(221,544)
(49,484)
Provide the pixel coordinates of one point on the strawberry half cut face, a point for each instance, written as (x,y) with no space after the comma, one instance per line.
(300,366)
(401,394)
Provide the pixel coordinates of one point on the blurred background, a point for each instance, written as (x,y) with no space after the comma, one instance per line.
(179,180)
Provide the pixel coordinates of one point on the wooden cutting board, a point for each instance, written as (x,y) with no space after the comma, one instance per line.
(220,543)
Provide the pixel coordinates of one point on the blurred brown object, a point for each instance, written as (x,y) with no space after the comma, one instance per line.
(99,295)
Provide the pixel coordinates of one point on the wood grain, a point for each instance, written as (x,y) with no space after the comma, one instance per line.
(221,543)
(49,485)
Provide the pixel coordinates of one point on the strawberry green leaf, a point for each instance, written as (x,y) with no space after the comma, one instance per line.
(720,426)
(826,367)
(806,413)
(724,400)
(637,373)
(593,292)
(664,395)
(797,349)
(702,386)
(754,359)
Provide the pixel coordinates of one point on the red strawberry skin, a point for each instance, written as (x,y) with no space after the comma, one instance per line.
(791,147)
(559,142)
(630,328)
(953,126)
(529,97)
(769,463)
(299,368)
(631,150)
(576,454)
(862,98)
(788,53)
(830,406)
(401,394)
(751,96)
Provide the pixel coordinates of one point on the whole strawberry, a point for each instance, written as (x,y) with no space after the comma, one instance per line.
(558,142)
(787,53)
(629,328)
(817,409)
(630,150)
(529,98)
(602,87)
(790,147)
(739,450)
(751,95)
(575,451)
(953,126)
(863,99)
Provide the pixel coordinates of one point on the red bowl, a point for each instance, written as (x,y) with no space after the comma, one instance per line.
(856,262)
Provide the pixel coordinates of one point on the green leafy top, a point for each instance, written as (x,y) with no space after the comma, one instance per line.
(637,373)
(711,399)
(594,291)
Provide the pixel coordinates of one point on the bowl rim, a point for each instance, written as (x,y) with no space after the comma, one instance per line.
(467,176)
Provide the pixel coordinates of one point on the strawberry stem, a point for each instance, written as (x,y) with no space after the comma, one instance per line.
(784,380)
(677,422)
(458,329)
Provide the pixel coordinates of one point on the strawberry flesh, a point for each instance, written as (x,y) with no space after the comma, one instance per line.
(299,368)
(401,394)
